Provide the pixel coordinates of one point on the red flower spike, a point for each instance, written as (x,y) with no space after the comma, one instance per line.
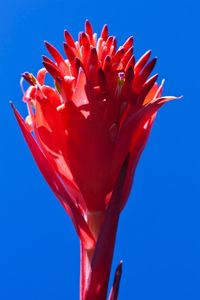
(41,76)
(142,61)
(117,58)
(107,65)
(69,52)
(114,45)
(69,39)
(104,32)
(98,114)
(142,77)
(147,86)
(131,63)
(127,56)
(88,29)
(48,60)
(54,53)
(128,44)
(53,70)
(84,40)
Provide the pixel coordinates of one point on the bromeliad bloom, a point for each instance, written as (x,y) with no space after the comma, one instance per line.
(86,133)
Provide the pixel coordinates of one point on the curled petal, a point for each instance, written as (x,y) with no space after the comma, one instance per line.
(133,136)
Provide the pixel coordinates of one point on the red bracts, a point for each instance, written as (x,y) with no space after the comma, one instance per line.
(86,133)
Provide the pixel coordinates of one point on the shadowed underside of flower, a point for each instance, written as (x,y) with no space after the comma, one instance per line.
(87,133)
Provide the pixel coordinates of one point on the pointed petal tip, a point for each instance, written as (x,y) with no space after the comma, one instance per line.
(46,43)
(148,53)
(175,97)
(66,33)
(115,288)
(164,99)
(104,32)
(163,81)
(88,27)
(155,76)
(17,114)
(49,46)
(11,104)
(119,268)
(24,74)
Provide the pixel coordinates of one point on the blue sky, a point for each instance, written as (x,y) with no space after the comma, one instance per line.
(159,233)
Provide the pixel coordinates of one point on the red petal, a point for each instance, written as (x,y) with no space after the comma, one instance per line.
(84,41)
(133,136)
(131,63)
(69,52)
(127,57)
(128,43)
(54,52)
(41,75)
(137,146)
(147,86)
(107,65)
(69,39)
(117,58)
(92,66)
(104,32)
(58,58)
(142,62)
(53,70)
(88,29)
(79,97)
(144,74)
(56,185)
(152,94)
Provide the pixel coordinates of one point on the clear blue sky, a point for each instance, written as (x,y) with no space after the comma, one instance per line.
(159,233)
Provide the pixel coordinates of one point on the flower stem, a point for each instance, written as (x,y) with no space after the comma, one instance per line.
(96,262)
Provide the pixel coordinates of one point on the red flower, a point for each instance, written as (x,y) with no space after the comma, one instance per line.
(87,133)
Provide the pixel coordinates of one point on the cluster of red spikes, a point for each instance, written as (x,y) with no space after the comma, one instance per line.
(110,71)
(103,103)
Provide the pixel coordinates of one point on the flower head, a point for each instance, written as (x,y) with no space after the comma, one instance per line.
(99,111)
